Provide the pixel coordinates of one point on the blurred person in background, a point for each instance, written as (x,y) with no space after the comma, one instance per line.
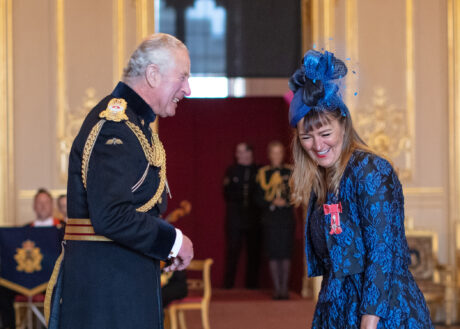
(278,218)
(242,224)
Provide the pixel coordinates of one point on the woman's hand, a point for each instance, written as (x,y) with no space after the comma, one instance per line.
(369,321)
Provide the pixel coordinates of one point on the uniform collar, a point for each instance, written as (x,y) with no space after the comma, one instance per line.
(135,102)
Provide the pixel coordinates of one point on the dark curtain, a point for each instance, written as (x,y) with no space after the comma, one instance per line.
(263,37)
(200,142)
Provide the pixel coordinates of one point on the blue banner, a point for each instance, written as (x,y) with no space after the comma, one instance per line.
(27,255)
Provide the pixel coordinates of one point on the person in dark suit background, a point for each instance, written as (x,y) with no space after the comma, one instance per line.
(355,233)
(242,224)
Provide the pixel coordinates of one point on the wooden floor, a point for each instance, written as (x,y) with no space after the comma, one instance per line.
(254,309)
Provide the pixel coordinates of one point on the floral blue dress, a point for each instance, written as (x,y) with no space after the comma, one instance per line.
(365,266)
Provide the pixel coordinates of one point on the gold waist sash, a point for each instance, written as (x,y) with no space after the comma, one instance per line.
(81,229)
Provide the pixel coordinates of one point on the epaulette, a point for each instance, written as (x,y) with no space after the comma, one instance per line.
(270,187)
(261,173)
(115,110)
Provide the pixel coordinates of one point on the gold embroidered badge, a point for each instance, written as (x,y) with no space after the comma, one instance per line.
(29,258)
(115,111)
(114,141)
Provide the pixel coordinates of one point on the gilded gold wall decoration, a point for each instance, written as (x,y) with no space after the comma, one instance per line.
(383,127)
(29,258)
(74,120)
(7,182)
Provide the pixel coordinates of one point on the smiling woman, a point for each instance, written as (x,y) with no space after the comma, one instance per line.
(355,223)
(324,143)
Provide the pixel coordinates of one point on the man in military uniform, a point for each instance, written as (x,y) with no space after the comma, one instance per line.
(109,273)
(242,220)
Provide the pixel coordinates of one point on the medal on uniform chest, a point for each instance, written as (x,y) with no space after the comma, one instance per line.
(334,210)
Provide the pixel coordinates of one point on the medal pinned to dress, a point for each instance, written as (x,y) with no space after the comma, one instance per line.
(334,210)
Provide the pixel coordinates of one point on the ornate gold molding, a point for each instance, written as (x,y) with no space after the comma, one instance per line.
(307,24)
(145,22)
(61,94)
(61,91)
(382,126)
(7,186)
(67,119)
(29,194)
(118,39)
(351,42)
(73,121)
(453,43)
(410,85)
(436,191)
(315,21)
(145,17)
(329,23)
(322,23)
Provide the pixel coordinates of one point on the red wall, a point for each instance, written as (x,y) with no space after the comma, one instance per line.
(200,142)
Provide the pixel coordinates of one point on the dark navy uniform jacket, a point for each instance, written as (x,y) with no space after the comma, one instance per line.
(115,284)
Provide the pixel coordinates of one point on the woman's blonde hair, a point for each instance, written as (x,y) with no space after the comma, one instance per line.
(307,176)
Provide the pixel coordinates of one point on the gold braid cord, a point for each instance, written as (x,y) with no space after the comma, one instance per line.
(88,149)
(273,186)
(50,288)
(156,156)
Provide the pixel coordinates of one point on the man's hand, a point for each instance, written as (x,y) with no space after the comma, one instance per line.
(369,321)
(184,256)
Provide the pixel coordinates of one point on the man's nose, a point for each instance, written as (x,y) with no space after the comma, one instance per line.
(186,89)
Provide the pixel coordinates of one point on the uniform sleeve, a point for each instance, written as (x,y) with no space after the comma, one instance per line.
(380,205)
(113,170)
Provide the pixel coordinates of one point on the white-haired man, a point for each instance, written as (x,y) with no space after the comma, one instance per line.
(110,274)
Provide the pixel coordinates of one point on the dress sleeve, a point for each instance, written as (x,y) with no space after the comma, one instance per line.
(381,211)
(113,170)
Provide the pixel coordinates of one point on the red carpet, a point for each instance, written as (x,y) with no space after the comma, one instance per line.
(254,309)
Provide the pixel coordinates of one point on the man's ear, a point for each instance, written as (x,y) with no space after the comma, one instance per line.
(152,75)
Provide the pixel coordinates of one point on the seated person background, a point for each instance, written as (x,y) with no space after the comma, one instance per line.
(61,203)
(43,207)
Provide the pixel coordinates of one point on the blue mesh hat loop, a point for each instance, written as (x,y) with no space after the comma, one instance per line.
(323,67)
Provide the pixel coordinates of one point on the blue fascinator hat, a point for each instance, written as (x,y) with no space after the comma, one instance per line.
(314,86)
